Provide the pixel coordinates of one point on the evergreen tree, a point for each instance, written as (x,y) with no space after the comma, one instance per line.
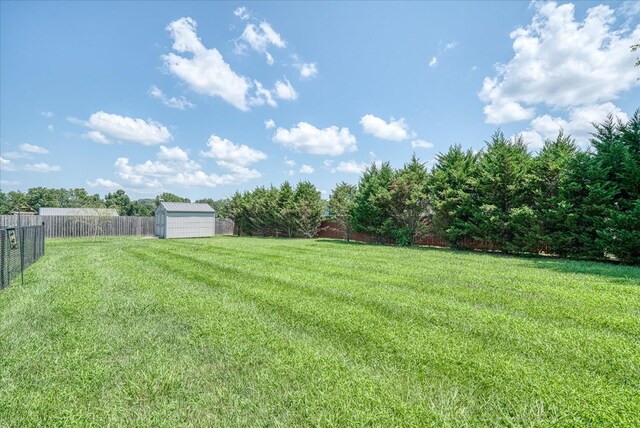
(371,213)
(409,202)
(341,203)
(452,185)
(617,156)
(285,210)
(551,168)
(308,206)
(504,186)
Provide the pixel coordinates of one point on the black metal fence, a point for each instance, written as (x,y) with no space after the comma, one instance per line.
(20,247)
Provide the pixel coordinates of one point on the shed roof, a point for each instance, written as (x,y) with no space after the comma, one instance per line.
(79,211)
(184,207)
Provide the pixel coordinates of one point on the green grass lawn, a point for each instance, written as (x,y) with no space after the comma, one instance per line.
(266,332)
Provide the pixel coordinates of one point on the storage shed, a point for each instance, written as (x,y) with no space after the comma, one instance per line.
(185,220)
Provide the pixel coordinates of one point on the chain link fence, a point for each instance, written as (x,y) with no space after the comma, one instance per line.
(20,247)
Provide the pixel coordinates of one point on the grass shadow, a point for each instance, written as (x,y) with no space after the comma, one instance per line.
(629,275)
(617,272)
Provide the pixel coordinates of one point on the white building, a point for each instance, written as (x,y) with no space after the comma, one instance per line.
(185,220)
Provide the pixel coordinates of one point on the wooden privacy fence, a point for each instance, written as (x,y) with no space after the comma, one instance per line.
(329,229)
(56,226)
(224,226)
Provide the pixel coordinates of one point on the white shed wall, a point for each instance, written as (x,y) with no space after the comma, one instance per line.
(189,225)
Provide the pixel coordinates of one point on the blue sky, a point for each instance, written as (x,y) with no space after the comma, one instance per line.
(203,99)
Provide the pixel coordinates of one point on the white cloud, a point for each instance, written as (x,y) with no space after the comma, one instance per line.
(433,62)
(9,182)
(579,124)
(394,130)
(47,114)
(104,183)
(173,154)
(304,137)
(532,139)
(630,8)
(269,124)
(505,110)
(172,168)
(262,96)
(352,167)
(260,38)
(42,167)
(242,13)
(421,144)
(16,155)
(96,136)
(450,45)
(307,70)
(146,132)
(75,120)
(285,91)
(30,148)
(178,103)
(206,72)
(6,164)
(289,162)
(562,63)
(224,150)
(306,169)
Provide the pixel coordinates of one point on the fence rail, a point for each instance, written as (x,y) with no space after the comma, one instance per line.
(20,247)
(57,226)
(330,229)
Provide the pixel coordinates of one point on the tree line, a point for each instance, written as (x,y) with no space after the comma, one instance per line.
(278,211)
(561,201)
(38,197)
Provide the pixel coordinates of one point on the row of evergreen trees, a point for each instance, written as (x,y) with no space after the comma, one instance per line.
(282,211)
(563,201)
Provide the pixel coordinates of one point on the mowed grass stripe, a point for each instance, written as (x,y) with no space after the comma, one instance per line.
(279,345)
(257,332)
(335,331)
(509,291)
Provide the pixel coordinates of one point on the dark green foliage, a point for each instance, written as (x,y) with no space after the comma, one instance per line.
(617,159)
(341,204)
(409,202)
(276,211)
(551,174)
(453,194)
(308,209)
(38,197)
(220,205)
(170,197)
(505,190)
(371,212)
(142,208)
(118,200)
